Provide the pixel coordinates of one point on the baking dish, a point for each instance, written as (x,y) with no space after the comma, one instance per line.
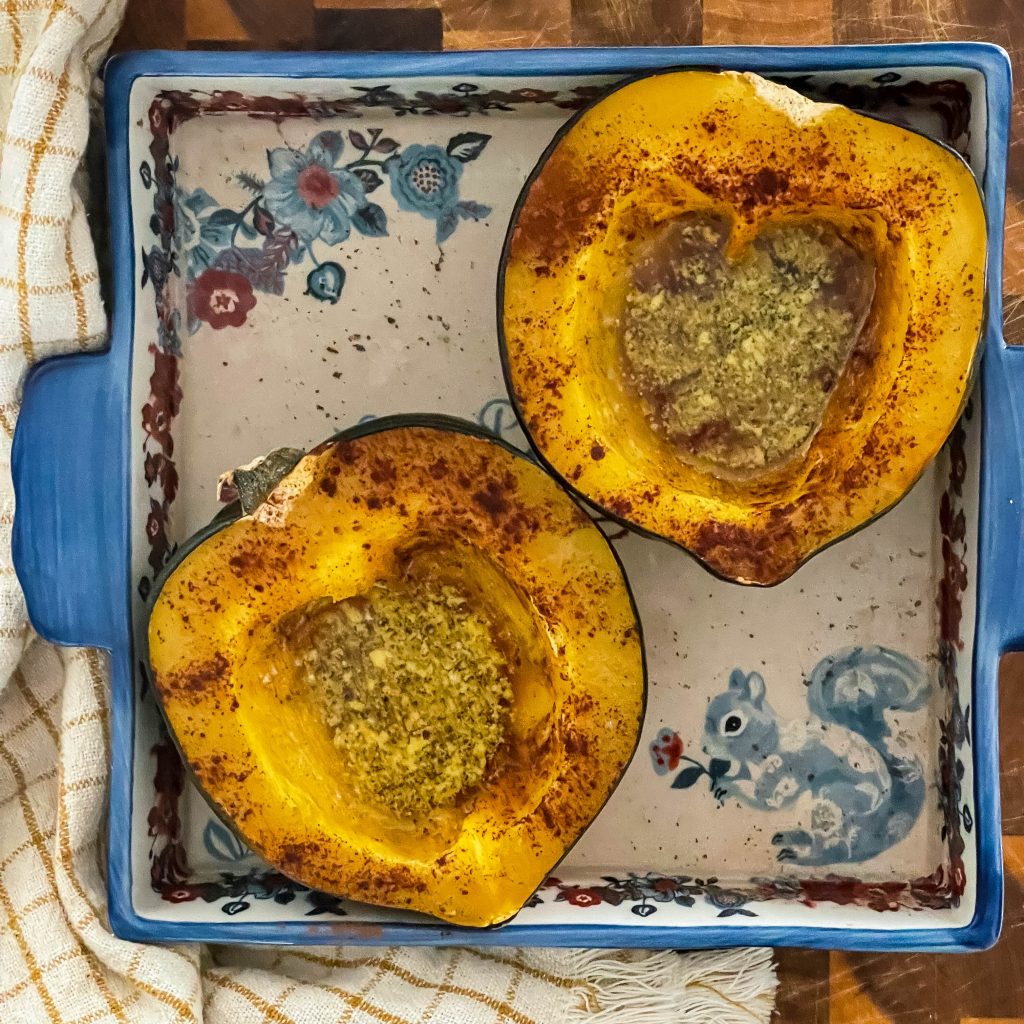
(117,455)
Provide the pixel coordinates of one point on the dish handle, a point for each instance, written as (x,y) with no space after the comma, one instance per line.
(70,532)
(1001,553)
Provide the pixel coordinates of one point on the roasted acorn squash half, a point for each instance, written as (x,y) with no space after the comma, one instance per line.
(428,521)
(734,150)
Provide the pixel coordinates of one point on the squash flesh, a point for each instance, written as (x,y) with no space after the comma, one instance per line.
(734,146)
(342,520)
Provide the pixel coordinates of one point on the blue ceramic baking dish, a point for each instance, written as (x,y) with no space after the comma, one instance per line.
(236,329)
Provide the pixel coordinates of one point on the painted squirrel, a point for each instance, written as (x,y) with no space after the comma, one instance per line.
(865,794)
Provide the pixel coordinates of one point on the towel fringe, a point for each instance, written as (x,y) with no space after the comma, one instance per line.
(735,986)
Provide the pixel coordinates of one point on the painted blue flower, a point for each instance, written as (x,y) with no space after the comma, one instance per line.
(729,902)
(725,899)
(311,195)
(425,180)
(325,281)
(189,235)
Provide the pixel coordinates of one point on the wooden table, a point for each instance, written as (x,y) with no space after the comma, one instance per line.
(818,987)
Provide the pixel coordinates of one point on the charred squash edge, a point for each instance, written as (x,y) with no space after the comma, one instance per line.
(506,368)
(231,513)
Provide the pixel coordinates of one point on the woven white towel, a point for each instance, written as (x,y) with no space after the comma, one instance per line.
(59,961)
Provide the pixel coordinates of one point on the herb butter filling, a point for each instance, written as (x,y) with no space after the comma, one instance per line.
(735,360)
(414,690)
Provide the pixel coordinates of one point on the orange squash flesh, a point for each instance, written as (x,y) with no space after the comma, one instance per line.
(343,519)
(758,154)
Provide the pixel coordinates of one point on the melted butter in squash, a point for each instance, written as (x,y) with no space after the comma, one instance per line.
(735,357)
(413,686)
(414,693)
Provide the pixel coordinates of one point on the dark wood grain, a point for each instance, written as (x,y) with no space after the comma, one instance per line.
(410,29)
(266,29)
(1011,742)
(924,989)
(153,24)
(803,988)
(641,23)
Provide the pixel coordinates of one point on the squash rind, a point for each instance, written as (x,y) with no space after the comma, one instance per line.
(710,135)
(247,761)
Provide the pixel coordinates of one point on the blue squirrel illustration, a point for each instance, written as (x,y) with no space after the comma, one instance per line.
(865,793)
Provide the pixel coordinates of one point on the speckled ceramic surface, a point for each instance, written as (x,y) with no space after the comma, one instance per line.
(314,252)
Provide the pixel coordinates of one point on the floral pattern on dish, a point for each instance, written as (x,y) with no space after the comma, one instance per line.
(310,198)
(238,890)
(308,193)
(646,891)
(425,180)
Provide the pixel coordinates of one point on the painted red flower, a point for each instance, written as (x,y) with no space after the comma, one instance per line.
(221,298)
(181,893)
(958,883)
(227,99)
(580,897)
(156,531)
(666,751)
(164,399)
(159,113)
(535,95)
(316,186)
